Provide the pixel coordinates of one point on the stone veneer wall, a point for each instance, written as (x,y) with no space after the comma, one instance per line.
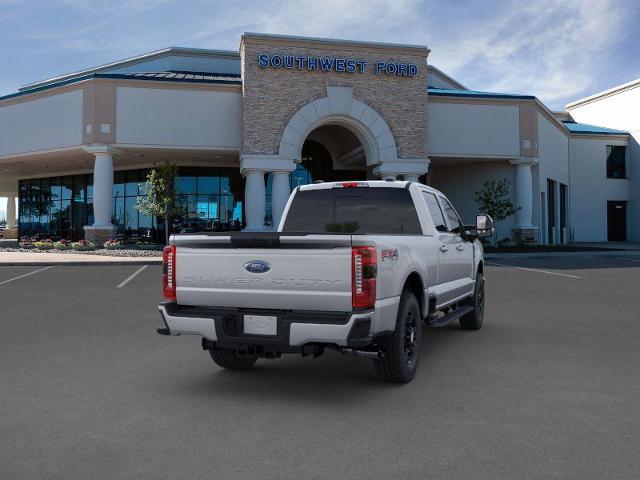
(272,96)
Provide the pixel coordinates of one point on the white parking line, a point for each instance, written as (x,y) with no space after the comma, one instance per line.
(533,270)
(131,277)
(25,275)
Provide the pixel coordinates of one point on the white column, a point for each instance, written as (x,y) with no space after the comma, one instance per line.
(412,178)
(255,200)
(524,193)
(11,212)
(103,190)
(280,191)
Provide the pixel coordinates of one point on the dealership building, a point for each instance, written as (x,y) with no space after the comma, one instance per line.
(246,127)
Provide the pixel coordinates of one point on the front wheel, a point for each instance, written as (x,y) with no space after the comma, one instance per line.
(473,319)
(402,348)
(230,359)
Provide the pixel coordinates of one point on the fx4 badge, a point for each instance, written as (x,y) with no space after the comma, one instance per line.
(390,254)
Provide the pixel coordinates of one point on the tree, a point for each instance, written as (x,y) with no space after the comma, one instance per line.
(495,199)
(160,199)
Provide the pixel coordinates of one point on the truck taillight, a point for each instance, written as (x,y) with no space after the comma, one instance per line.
(169,272)
(364,268)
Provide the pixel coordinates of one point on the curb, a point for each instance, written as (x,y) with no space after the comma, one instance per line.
(88,263)
(595,253)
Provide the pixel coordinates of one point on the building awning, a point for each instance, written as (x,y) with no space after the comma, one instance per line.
(444,92)
(170,76)
(585,128)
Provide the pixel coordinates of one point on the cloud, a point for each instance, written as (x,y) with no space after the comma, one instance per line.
(547,48)
(557,50)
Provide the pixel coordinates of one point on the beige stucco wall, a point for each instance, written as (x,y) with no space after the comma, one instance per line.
(272,96)
(50,122)
(460,129)
(178,117)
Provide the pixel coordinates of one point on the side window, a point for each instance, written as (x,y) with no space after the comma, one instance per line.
(452,216)
(435,211)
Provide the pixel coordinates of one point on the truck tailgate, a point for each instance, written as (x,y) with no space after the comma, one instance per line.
(306,272)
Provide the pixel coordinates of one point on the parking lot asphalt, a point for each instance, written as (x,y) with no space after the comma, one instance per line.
(549,387)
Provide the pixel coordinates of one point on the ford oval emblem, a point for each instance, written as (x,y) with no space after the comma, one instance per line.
(257,266)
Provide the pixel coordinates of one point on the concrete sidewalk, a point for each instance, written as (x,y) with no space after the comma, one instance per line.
(37,259)
(592,253)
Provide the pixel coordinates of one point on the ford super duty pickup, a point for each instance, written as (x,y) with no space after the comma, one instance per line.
(354,266)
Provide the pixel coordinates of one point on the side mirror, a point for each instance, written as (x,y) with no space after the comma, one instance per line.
(485,227)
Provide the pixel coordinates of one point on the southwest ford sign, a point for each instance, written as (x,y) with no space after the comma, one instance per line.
(334,64)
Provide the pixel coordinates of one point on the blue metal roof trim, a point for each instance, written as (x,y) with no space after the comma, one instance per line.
(585,128)
(226,80)
(444,92)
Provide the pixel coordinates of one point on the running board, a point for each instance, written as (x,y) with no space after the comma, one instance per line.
(440,319)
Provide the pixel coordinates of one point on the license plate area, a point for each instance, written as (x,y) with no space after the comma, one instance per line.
(260,325)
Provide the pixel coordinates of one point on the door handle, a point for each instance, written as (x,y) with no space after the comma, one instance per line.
(444,248)
(460,248)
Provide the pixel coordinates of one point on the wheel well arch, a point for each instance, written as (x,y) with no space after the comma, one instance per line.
(415,285)
(480,269)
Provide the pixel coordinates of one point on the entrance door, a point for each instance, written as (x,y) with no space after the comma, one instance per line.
(543,222)
(617,221)
(551,211)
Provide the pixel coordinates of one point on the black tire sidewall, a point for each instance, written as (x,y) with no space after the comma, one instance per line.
(474,319)
(394,366)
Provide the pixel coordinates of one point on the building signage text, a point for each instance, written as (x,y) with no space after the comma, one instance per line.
(333,64)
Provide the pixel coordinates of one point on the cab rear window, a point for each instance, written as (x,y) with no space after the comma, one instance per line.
(362,210)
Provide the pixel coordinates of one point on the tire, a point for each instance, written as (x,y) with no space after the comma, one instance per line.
(402,348)
(473,319)
(230,360)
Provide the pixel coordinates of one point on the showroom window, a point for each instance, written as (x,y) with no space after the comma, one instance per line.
(59,207)
(211,199)
(616,161)
(56,207)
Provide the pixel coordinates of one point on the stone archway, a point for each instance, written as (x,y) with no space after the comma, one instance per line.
(339,107)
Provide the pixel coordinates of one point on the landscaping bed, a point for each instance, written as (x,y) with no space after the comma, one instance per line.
(112,248)
(128,252)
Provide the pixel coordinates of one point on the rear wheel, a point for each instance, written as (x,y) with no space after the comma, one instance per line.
(473,319)
(230,359)
(402,348)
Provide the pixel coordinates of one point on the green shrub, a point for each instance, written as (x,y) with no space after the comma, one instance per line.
(83,245)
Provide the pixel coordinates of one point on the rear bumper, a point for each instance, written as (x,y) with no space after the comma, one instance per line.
(225,326)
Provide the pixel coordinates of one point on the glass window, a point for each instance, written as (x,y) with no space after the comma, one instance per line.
(452,216)
(90,186)
(131,185)
(119,213)
(131,214)
(186,185)
(225,185)
(65,218)
(62,206)
(79,188)
(55,186)
(225,208)
(118,184)
(616,165)
(67,189)
(436,212)
(208,185)
(353,210)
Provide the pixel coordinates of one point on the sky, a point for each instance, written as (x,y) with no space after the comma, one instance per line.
(557,50)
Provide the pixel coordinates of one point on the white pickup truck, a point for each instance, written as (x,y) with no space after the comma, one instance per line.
(354,266)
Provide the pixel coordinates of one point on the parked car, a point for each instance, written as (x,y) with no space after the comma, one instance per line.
(354,266)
